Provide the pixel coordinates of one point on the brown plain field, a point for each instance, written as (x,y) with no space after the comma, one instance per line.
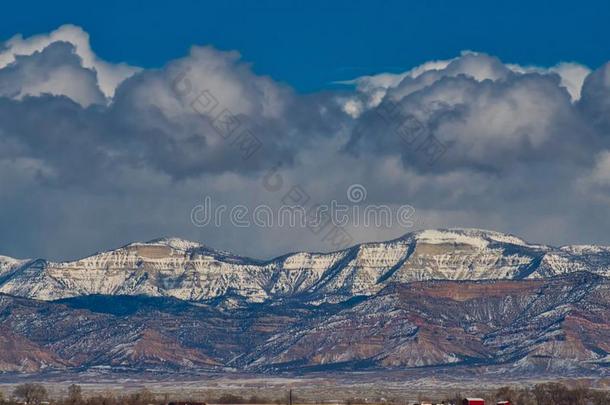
(353,388)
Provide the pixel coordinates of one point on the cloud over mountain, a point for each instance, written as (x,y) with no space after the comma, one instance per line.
(95,154)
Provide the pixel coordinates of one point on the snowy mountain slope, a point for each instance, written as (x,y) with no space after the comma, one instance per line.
(187,270)
(9,265)
(559,322)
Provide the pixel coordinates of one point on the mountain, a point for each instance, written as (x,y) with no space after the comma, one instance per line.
(463,299)
(21,355)
(558,326)
(527,324)
(191,271)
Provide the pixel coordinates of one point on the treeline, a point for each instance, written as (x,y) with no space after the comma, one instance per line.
(37,394)
(554,394)
(540,394)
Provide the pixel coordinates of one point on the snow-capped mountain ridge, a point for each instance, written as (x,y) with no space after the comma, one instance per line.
(189,270)
(443,298)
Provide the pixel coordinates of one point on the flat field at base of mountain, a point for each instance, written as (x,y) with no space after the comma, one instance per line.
(395,387)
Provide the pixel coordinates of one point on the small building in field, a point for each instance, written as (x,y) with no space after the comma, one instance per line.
(473,401)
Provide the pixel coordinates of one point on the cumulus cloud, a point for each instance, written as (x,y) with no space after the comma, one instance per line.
(109,75)
(54,70)
(95,154)
(572,75)
(475,65)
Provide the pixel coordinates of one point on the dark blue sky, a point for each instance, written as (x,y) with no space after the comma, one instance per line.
(309,44)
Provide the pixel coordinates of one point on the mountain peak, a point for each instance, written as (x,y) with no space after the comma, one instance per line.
(174,243)
(479,238)
(185,245)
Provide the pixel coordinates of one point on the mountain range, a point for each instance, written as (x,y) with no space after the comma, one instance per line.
(461,298)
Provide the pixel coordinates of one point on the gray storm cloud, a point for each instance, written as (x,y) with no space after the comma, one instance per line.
(93,154)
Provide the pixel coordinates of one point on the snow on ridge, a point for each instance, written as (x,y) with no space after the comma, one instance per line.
(582,249)
(7,259)
(7,262)
(493,236)
(185,245)
(173,242)
(438,237)
(479,238)
(506,238)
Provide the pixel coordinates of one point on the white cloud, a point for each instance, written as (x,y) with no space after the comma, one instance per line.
(375,87)
(109,75)
(388,80)
(353,107)
(473,64)
(519,142)
(55,70)
(572,75)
